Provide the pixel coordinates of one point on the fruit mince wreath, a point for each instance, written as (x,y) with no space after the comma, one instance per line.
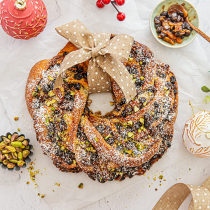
(122,143)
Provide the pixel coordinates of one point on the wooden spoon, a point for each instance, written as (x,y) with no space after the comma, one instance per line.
(178,8)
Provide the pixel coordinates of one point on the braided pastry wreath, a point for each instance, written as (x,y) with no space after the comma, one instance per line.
(122,143)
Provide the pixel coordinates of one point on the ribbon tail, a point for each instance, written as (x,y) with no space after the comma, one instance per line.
(98,80)
(119,73)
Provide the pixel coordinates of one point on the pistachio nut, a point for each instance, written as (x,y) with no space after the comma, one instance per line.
(20,155)
(8,156)
(18,149)
(9,136)
(10,165)
(14,155)
(14,137)
(2,145)
(10,148)
(22,147)
(26,153)
(16,144)
(13,161)
(20,163)
(6,140)
(20,138)
(25,143)
(5,151)
(5,162)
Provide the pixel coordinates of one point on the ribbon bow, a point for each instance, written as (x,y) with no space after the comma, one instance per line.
(105,57)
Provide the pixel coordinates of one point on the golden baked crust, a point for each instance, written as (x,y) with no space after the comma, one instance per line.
(124,142)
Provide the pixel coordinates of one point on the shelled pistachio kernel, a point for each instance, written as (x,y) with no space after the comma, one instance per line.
(14,150)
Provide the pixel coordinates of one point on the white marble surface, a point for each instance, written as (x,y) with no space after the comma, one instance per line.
(14,192)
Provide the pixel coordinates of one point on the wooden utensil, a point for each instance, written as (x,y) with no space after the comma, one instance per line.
(178,8)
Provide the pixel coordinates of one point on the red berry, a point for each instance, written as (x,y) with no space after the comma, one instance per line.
(99,4)
(106,1)
(121,16)
(120,2)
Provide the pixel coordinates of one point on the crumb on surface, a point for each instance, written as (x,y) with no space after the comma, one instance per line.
(16,118)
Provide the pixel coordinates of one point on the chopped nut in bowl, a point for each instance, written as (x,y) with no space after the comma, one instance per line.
(15,151)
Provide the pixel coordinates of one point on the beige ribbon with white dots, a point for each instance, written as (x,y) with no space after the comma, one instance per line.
(174,197)
(105,57)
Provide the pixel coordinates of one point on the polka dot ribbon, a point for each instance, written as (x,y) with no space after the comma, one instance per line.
(174,197)
(105,57)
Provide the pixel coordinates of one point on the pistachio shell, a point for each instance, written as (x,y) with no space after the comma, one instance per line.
(16,144)
(10,148)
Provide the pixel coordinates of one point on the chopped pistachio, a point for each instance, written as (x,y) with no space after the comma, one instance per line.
(142,78)
(130,59)
(42,195)
(53,101)
(80,186)
(141,120)
(129,151)
(150,93)
(18,129)
(161,176)
(165,88)
(136,109)
(50,78)
(51,93)
(108,136)
(140,62)
(47,121)
(134,80)
(167,92)
(130,134)
(62,148)
(111,103)
(139,130)
(130,123)
(96,139)
(74,161)
(72,93)
(34,94)
(53,109)
(144,104)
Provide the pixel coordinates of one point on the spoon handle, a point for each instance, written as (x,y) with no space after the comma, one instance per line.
(199,31)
